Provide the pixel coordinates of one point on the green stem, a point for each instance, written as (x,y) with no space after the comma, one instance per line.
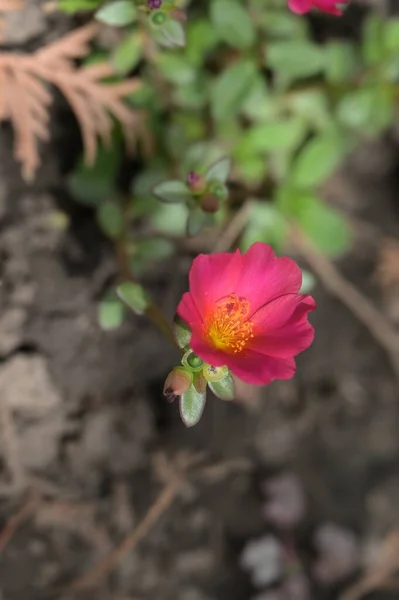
(153,312)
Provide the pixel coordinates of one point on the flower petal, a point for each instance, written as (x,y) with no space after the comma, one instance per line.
(214,276)
(300,6)
(260,369)
(265,277)
(188,311)
(277,313)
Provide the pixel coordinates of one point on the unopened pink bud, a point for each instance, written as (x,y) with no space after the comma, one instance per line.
(196,182)
(177,382)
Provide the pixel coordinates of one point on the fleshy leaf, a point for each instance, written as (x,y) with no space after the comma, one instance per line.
(135,296)
(219,171)
(224,388)
(110,312)
(197,220)
(119,13)
(192,405)
(182,332)
(172,191)
(110,218)
(173,32)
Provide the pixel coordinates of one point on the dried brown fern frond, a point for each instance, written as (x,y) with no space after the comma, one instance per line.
(25,97)
(8,6)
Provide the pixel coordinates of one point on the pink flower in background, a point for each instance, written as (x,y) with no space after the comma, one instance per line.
(245,311)
(333,7)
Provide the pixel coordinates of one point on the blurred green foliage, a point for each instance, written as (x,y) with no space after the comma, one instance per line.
(245,80)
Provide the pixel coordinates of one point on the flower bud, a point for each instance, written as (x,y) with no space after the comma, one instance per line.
(154,4)
(196,182)
(191,361)
(177,382)
(210,203)
(158,18)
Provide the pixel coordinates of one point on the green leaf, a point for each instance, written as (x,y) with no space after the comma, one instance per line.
(324,225)
(372,39)
(283,134)
(231,88)
(170,219)
(110,312)
(173,33)
(192,404)
(312,105)
(110,218)
(342,63)
(265,224)
(283,24)
(73,6)
(318,160)
(296,59)
(117,14)
(391,35)
(182,332)
(175,68)
(197,220)
(173,191)
(135,296)
(219,171)
(91,185)
(201,40)
(223,389)
(368,110)
(232,23)
(127,54)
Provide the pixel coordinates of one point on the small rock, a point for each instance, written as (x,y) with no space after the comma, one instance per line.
(22,26)
(26,386)
(286,503)
(263,558)
(338,553)
(11,330)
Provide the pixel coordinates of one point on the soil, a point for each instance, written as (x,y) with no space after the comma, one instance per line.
(84,422)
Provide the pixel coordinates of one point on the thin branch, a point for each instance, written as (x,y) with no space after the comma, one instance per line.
(168,494)
(234,229)
(164,500)
(16,520)
(379,327)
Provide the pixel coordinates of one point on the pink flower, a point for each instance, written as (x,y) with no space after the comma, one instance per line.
(332,7)
(245,312)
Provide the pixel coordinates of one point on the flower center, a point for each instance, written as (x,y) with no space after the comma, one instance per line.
(228,328)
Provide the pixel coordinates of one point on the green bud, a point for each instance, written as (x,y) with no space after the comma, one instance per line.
(158,18)
(192,361)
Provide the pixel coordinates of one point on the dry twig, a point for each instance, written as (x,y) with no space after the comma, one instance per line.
(177,477)
(25,98)
(361,307)
(381,574)
(16,520)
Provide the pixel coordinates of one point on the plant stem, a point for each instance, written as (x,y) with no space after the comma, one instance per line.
(153,312)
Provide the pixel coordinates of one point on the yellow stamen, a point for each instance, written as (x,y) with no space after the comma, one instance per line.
(228,327)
